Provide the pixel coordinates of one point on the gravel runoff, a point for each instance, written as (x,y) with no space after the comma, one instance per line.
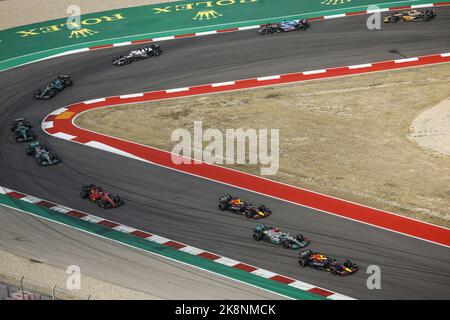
(14,13)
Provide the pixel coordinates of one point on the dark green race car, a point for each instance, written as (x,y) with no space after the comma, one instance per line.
(43,156)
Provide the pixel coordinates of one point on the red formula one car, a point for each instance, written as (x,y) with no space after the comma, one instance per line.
(101,198)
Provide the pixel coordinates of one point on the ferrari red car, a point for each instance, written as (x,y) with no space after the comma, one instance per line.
(102,198)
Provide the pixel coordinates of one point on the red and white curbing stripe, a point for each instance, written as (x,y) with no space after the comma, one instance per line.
(175,245)
(199,34)
(60,124)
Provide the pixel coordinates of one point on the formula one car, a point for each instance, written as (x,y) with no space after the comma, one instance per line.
(236,205)
(153,50)
(42,154)
(20,122)
(53,88)
(322,262)
(101,198)
(275,236)
(411,15)
(284,26)
(23,133)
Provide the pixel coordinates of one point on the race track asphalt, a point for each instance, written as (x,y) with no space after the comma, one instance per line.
(184,208)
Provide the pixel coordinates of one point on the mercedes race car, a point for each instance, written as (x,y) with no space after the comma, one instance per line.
(42,154)
(322,262)
(411,15)
(275,236)
(20,122)
(101,198)
(153,50)
(236,205)
(53,88)
(23,133)
(284,26)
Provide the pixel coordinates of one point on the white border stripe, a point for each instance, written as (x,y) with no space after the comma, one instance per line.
(133,95)
(177,90)
(92,219)
(360,66)
(164,38)
(63,135)
(125,229)
(425,5)
(264,273)
(31,199)
(444,55)
(227,261)
(406,60)
(47,125)
(338,296)
(377,10)
(58,111)
(121,44)
(248,28)
(158,239)
(61,209)
(314,72)
(94,101)
(268,78)
(301,285)
(333,16)
(206,33)
(221,84)
(192,250)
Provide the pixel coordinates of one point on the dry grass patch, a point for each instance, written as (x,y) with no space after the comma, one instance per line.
(346,137)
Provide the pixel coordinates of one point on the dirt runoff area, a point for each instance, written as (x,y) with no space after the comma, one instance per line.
(349,137)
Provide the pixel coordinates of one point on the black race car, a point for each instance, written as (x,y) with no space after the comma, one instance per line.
(20,122)
(236,205)
(53,88)
(23,133)
(284,26)
(152,50)
(322,262)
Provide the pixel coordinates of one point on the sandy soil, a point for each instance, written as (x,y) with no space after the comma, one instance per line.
(14,13)
(346,137)
(431,129)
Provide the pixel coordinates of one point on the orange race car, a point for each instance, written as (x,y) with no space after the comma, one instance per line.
(411,15)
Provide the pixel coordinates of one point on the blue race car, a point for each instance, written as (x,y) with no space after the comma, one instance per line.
(284,26)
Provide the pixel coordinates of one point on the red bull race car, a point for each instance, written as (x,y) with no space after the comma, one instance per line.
(103,199)
(322,262)
(238,206)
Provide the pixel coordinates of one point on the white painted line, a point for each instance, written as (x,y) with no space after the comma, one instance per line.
(63,135)
(164,38)
(121,44)
(134,95)
(206,33)
(444,55)
(31,199)
(248,28)
(58,111)
(301,285)
(221,84)
(124,229)
(264,273)
(378,10)
(47,125)
(268,78)
(227,261)
(314,72)
(94,101)
(406,60)
(61,209)
(177,90)
(341,15)
(360,66)
(192,250)
(158,239)
(338,296)
(92,219)
(416,6)
(105,147)
(4,190)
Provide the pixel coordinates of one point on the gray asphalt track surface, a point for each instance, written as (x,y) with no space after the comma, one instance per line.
(184,208)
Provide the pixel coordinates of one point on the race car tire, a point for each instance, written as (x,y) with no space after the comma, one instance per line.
(426,18)
(257,237)
(285,244)
(69,83)
(302,262)
(222,207)
(334,271)
(393,19)
(270,31)
(84,194)
(157,53)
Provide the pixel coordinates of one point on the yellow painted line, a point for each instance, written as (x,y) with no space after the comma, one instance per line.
(65,115)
